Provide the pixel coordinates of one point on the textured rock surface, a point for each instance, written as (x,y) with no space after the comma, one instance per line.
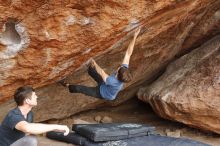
(189,90)
(57,37)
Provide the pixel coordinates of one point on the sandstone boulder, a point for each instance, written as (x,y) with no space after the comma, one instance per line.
(189,90)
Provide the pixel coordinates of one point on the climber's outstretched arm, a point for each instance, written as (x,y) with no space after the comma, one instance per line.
(131,47)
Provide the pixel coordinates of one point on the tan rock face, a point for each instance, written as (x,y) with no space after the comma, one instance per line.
(189,90)
(52,39)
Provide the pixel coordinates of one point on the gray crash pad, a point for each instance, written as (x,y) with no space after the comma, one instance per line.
(112,131)
(72,137)
(152,140)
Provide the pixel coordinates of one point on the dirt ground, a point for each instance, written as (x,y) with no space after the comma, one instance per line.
(136,111)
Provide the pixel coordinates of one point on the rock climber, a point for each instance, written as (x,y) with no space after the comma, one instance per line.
(108,85)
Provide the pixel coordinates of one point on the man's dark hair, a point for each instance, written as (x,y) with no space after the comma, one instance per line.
(22,93)
(124,74)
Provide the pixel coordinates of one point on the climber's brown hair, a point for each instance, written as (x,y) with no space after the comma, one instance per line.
(124,74)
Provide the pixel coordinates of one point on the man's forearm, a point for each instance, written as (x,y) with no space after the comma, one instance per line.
(37,128)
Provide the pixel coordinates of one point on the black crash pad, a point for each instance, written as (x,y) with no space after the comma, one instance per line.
(112,131)
(152,140)
(72,137)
